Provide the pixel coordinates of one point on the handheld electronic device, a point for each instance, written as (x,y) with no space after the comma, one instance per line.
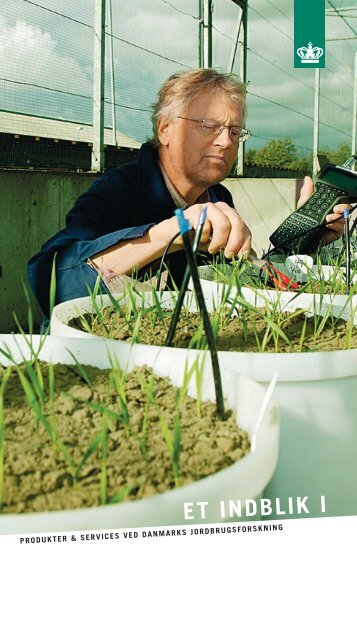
(302,230)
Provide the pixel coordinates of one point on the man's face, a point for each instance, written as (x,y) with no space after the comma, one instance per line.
(195,158)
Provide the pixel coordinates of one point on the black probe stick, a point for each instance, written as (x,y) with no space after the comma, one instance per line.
(184,229)
(346,214)
(181,296)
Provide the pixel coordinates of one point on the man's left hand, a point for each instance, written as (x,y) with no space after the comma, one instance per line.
(334,230)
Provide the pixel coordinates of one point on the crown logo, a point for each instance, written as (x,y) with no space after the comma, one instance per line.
(309,54)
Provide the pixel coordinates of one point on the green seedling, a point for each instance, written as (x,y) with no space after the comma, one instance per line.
(303,334)
(199,382)
(84,323)
(51,395)
(35,397)
(117,380)
(28,337)
(100,439)
(104,465)
(275,332)
(319,325)
(115,302)
(198,340)
(93,446)
(56,440)
(158,308)
(121,495)
(4,381)
(136,329)
(33,385)
(197,370)
(187,375)
(349,333)
(99,312)
(148,387)
(80,369)
(132,307)
(52,300)
(97,407)
(173,443)
(96,308)
(53,286)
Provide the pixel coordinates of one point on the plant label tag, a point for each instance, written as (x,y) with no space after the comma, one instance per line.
(299,266)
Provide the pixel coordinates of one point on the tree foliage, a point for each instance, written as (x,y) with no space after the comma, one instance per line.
(339,156)
(282,154)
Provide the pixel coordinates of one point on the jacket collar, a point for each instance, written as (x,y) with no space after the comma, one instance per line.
(154,195)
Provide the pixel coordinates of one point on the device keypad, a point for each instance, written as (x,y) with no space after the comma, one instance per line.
(296,224)
(299,226)
(322,198)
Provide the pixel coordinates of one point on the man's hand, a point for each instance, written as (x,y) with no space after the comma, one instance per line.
(334,229)
(223,229)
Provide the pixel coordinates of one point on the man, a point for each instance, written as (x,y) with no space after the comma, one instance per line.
(126,218)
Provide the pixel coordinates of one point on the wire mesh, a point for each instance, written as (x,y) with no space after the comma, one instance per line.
(47,60)
(46,71)
(281,99)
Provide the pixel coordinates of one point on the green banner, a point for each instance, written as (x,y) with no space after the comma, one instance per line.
(309,34)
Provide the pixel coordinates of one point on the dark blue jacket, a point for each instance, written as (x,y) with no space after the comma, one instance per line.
(122,204)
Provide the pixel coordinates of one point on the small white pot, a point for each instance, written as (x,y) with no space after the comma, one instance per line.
(290,300)
(246,479)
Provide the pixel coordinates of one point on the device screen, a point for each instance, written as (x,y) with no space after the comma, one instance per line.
(340,180)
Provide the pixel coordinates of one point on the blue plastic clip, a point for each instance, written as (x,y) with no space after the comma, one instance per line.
(184,224)
(202,218)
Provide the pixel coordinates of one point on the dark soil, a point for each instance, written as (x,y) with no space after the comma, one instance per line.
(240,333)
(37,476)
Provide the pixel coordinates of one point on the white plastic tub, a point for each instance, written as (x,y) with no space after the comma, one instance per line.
(317,398)
(213,293)
(246,479)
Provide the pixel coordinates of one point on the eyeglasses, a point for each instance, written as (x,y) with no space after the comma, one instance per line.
(212,128)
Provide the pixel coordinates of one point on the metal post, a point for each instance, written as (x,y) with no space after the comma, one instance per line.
(200,33)
(242,47)
(354,114)
(244,41)
(98,86)
(237,44)
(112,73)
(209,33)
(315,161)
(205,14)
(240,43)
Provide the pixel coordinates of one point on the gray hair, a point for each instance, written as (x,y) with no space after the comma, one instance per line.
(180,89)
